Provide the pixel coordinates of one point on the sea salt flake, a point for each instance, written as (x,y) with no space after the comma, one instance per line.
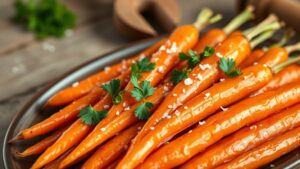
(188,81)
(75,84)
(222,79)
(200,77)
(166,88)
(201,123)
(170,106)
(118,113)
(174,94)
(161,69)
(190,131)
(219,55)
(223,108)
(183,90)
(185,107)
(103,129)
(106,106)
(207,94)
(152,128)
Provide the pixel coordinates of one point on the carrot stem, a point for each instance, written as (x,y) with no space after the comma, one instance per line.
(279,67)
(293,48)
(268,24)
(261,38)
(243,17)
(206,17)
(288,34)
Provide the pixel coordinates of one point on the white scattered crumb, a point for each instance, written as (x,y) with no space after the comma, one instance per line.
(163,47)
(106,68)
(183,90)
(174,94)
(177,113)
(48,47)
(127,108)
(173,48)
(166,88)
(188,81)
(161,69)
(142,56)
(265,65)
(152,128)
(190,131)
(117,113)
(185,107)
(219,55)
(207,94)
(170,106)
(255,63)
(253,127)
(204,66)
(124,104)
(103,129)
(222,79)
(106,106)
(199,76)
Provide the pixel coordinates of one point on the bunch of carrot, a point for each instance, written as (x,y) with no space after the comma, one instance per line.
(189,101)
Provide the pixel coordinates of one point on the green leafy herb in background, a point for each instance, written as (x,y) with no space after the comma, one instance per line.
(141,66)
(90,116)
(227,65)
(44,17)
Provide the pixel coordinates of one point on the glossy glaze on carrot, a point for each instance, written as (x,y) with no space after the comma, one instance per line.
(267,152)
(246,139)
(223,123)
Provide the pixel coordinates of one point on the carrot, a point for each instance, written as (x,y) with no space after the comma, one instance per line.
(107,153)
(288,75)
(41,145)
(274,56)
(58,119)
(115,163)
(55,164)
(221,94)
(252,57)
(236,47)
(246,139)
(223,123)
(81,88)
(101,134)
(267,152)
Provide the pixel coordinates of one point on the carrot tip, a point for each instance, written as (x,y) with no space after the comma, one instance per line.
(13,140)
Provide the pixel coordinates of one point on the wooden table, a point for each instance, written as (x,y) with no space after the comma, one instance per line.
(26,64)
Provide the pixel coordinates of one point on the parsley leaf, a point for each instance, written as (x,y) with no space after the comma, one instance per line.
(208,51)
(141,91)
(92,117)
(177,75)
(44,17)
(142,112)
(141,66)
(113,88)
(193,58)
(227,65)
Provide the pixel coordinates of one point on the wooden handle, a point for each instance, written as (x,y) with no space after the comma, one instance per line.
(286,10)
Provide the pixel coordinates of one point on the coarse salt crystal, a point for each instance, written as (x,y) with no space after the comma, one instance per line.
(161,69)
(190,131)
(168,117)
(219,55)
(151,128)
(188,81)
(177,113)
(199,76)
(142,56)
(222,79)
(127,108)
(265,65)
(102,129)
(205,66)
(174,94)
(183,90)
(106,106)
(255,63)
(163,47)
(106,68)
(185,107)
(207,94)
(223,108)
(253,127)
(117,113)
(166,88)
(75,84)
(201,123)
(170,106)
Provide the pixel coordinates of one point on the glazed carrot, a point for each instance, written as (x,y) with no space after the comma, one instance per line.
(274,56)
(221,94)
(61,117)
(287,75)
(252,57)
(55,164)
(114,164)
(246,139)
(81,88)
(107,153)
(223,123)
(267,152)
(99,135)
(41,145)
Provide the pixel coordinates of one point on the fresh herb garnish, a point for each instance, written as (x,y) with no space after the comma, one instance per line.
(141,66)
(193,58)
(142,111)
(140,92)
(44,17)
(177,75)
(113,88)
(227,65)
(90,116)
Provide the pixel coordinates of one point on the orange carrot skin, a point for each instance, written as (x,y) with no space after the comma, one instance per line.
(107,153)
(287,75)
(182,93)
(55,164)
(267,152)
(41,145)
(70,94)
(246,138)
(221,94)
(210,38)
(274,56)
(252,57)
(223,123)
(61,117)
(98,136)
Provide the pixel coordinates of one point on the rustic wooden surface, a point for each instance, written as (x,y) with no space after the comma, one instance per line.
(26,65)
